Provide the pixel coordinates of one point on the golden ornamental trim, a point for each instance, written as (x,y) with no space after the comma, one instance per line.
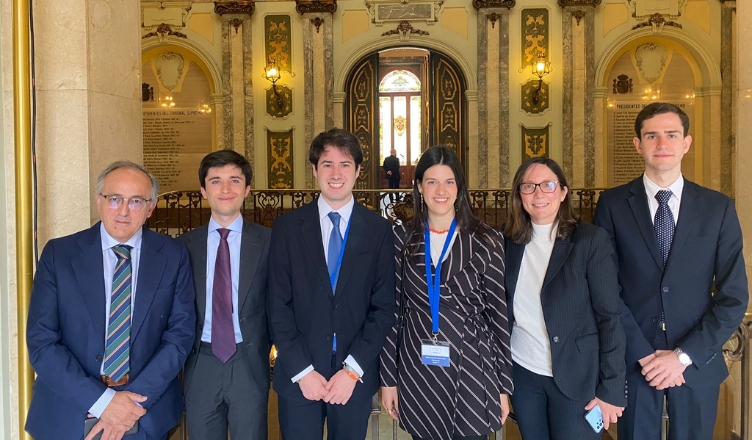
(308,6)
(564,3)
(480,4)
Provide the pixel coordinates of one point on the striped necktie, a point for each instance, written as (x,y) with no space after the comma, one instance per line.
(118,348)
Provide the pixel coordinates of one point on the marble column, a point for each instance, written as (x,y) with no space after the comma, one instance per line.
(88,105)
(318,59)
(728,23)
(578,103)
(493,94)
(743,106)
(237,83)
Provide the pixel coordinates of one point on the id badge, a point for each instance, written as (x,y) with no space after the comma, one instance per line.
(434,353)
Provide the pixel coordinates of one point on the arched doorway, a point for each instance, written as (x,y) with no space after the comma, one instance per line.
(410,98)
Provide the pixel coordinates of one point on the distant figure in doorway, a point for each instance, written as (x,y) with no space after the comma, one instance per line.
(392,168)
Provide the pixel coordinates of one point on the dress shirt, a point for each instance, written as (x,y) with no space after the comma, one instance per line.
(212,244)
(345,213)
(651,189)
(109,260)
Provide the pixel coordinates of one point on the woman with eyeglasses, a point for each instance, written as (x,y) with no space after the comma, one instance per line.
(446,372)
(567,342)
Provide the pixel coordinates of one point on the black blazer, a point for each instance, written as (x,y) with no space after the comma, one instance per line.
(252,299)
(706,251)
(580,303)
(305,314)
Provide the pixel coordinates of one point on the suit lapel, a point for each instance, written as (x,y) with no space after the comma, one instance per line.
(311,229)
(639,203)
(358,228)
(250,252)
(562,249)
(514,253)
(688,213)
(459,256)
(151,267)
(89,270)
(198,248)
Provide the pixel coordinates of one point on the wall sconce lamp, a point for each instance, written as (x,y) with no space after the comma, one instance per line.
(272,74)
(540,68)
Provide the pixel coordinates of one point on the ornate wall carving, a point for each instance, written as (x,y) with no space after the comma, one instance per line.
(534,35)
(279,153)
(170,69)
(535,141)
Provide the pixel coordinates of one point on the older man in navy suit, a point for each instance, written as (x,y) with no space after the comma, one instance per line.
(676,243)
(111,321)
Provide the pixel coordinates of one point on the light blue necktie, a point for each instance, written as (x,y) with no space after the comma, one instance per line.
(335,247)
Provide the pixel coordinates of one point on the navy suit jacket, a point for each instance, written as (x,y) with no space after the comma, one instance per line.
(66,328)
(304,312)
(706,252)
(580,302)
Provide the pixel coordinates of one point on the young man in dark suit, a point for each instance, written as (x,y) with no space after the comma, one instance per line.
(332,300)
(227,374)
(111,320)
(676,242)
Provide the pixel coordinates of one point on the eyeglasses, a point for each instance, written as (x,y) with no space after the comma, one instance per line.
(134,203)
(548,186)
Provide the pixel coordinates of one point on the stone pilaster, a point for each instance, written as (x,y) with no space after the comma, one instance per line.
(318,80)
(728,23)
(578,78)
(493,93)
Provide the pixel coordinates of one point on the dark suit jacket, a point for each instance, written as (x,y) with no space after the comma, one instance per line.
(391,163)
(66,328)
(706,250)
(305,314)
(580,303)
(252,300)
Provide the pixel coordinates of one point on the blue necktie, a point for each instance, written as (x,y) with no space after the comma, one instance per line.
(663,223)
(118,347)
(335,247)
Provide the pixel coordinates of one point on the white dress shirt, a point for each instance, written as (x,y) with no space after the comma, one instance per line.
(651,189)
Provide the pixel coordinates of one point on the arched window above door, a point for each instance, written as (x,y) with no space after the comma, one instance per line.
(399,81)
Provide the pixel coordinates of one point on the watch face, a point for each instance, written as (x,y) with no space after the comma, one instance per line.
(684,359)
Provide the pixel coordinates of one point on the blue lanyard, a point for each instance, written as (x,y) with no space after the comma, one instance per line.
(434,282)
(335,273)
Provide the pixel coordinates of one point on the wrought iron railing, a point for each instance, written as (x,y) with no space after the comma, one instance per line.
(180,211)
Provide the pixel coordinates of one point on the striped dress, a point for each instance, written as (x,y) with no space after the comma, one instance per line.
(463,399)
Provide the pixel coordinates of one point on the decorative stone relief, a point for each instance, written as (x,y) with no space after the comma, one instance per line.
(173,14)
(404,30)
(280,149)
(480,4)
(534,141)
(651,59)
(657,22)
(538,104)
(644,8)
(163,31)
(308,6)
(282,95)
(534,35)
(622,84)
(170,69)
(234,7)
(382,11)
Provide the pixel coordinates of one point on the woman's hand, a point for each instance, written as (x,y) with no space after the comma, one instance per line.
(610,412)
(504,407)
(389,401)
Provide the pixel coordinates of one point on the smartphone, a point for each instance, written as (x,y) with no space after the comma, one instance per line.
(91,421)
(594,417)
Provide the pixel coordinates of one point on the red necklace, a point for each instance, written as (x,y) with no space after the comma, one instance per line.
(436,231)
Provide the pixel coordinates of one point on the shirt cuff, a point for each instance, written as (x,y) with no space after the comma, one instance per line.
(354,365)
(101,404)
(300,375)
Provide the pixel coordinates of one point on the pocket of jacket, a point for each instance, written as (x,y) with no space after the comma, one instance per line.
(587,342)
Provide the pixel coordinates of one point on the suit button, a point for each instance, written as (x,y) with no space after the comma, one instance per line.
(98,358)
(328,338)
(665,289)
(556,339)
(336,307)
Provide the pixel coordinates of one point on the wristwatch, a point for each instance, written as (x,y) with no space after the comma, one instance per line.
(683,357)
(351,373)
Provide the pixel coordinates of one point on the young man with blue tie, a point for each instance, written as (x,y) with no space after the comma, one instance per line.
(226,380)
(332,289)
(111,321)
(683,283)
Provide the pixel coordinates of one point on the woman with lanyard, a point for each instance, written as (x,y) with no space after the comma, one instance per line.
(446,366)
(567,341)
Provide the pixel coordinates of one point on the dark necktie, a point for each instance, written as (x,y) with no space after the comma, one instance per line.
(335,247)
(222,331)
(664,223)
(118,347)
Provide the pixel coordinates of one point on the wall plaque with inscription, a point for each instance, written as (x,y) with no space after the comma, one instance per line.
(175,141)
